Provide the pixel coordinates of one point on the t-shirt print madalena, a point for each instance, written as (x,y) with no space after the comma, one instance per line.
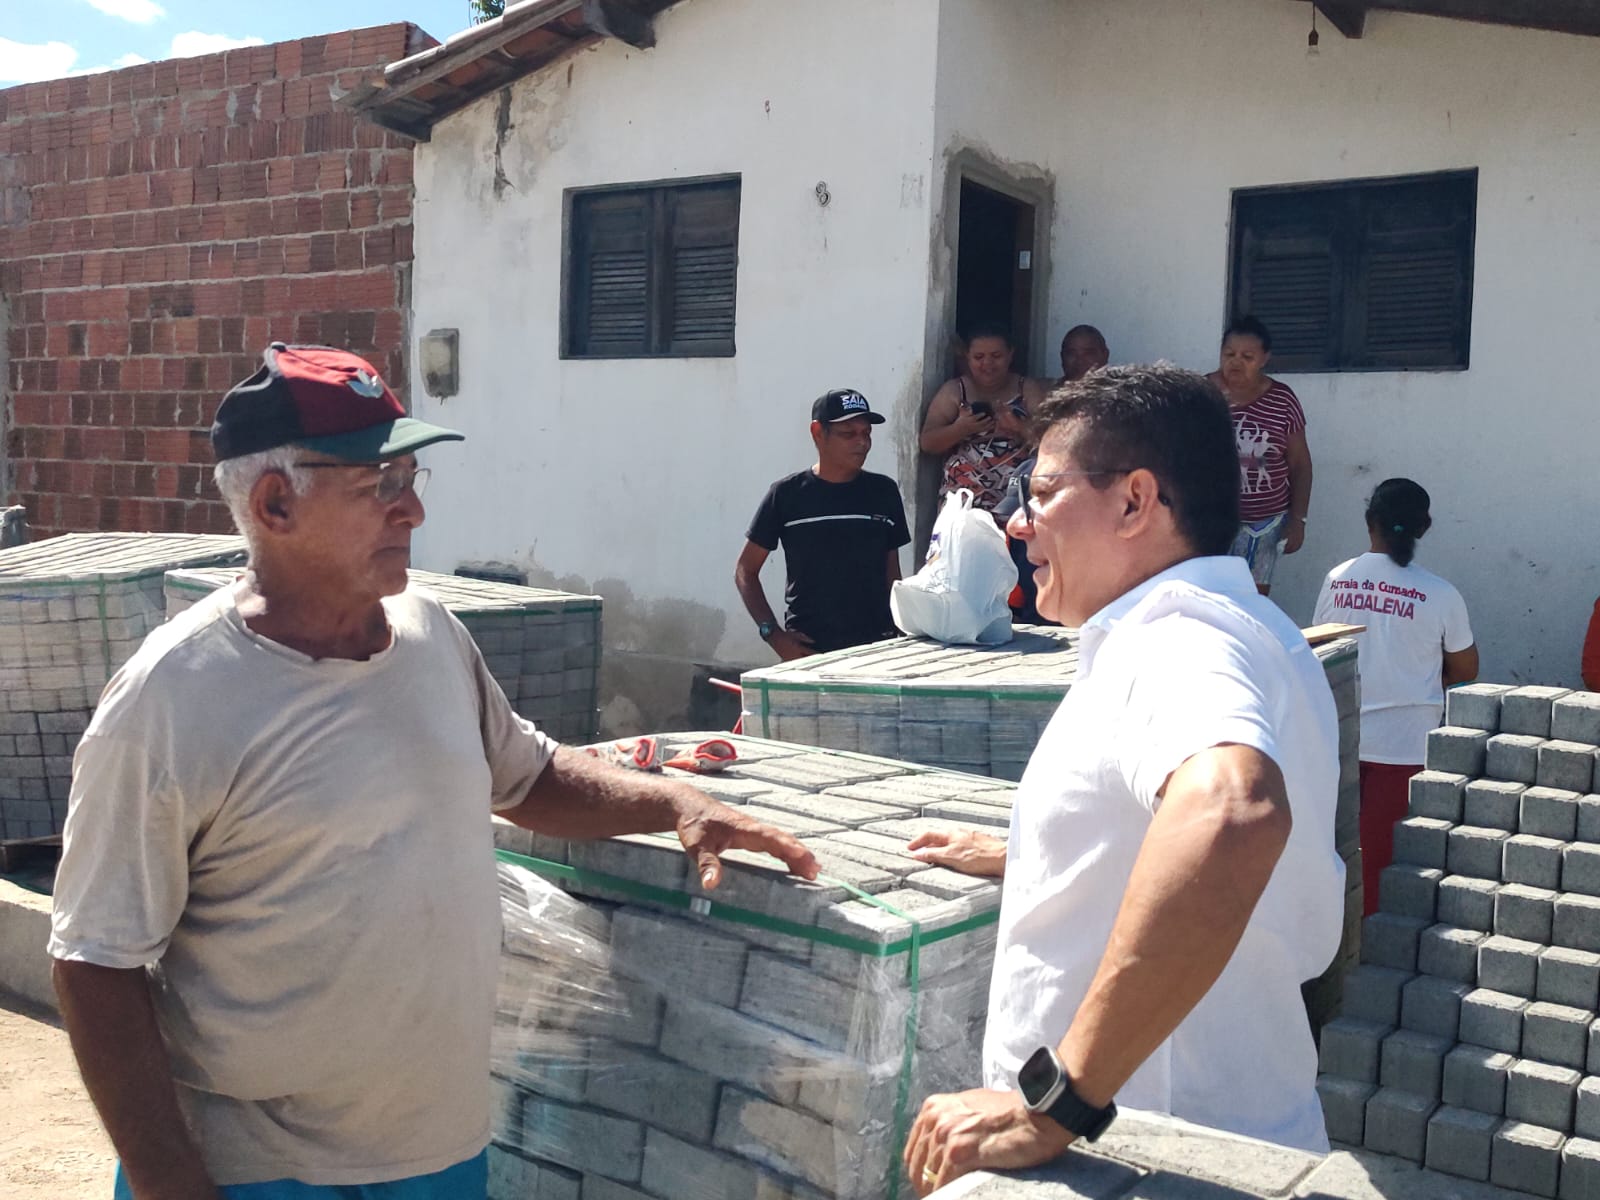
(1412,617)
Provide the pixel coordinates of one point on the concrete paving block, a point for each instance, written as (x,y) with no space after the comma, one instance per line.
(1449,953)
(1577,922)
(598,1187)
(638,1084)
(1493,1020)
(1344,1107)
(1535,861)
(1567,765)
(742,1049)
(796,1143)
(1397,1123)
(1580,869)
(1575,717)
(1432,1005)
(1475,1078)
(1466,902)
(1460,1141)
(1524,912)
(1549,812)
(1437,794)
(1349,1048)
(1391,941)
(1586,1114)
(1513,757)
(1372,993)
(1526,1158)
(673,1167)
(676,956)
(1409,891)
(1508,965)
(1475,705)
(1556,1033)
(1580,1169)
(1492,804)
(582,1139)
(1542,1094)
(1528,709)
(1570,977)
(801,1001)
(1421,841)
(514,1176)
(1457,751)
(1413,1062)
(1476,851)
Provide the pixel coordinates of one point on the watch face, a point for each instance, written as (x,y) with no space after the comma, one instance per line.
(1037,1076)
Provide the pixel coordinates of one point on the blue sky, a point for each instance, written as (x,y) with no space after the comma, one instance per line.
(46,39)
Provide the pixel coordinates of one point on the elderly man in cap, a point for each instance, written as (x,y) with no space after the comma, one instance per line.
(841,528)
(276,921)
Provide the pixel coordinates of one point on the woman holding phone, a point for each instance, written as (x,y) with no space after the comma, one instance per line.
(978,422)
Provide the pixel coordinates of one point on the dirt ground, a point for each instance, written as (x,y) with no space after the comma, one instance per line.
(51,1143)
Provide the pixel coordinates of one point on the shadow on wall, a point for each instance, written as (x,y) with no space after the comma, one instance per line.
(657,658)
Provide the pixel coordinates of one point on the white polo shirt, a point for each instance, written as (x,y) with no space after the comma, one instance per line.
(1191,658)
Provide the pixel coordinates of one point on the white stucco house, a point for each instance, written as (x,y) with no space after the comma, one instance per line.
(662,228)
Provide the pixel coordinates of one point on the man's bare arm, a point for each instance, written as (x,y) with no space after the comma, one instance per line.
(112,1023)
(581,798)
(747,580)
(1221,828)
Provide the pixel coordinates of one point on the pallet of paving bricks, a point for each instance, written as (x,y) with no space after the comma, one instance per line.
(541,646)
(772,1038)
(982,710)
(1469,1037)
(72,610)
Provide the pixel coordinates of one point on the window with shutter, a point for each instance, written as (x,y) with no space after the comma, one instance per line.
(1359,275)
(652,271)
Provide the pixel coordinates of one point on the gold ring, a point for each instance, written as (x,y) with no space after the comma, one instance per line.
(930,1176)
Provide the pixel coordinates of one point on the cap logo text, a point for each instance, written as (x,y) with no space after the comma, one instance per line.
(365,383)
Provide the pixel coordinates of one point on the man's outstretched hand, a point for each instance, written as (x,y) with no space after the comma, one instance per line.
(962,1132)
(967,851)
(707,828)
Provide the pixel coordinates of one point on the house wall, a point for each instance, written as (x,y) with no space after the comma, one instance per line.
(637,478)
(1145,114)
(159,225)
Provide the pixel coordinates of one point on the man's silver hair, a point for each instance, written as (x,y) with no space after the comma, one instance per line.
(236,477)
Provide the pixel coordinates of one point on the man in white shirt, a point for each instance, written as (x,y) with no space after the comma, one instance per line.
(276,924)
(1171,878)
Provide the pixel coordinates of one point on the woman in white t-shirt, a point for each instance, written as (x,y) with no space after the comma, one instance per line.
(1417,643)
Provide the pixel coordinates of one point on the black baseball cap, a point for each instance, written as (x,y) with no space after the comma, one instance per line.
(841,405)
(328,400)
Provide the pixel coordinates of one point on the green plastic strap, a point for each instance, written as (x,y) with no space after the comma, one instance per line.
(105,628)
(914,690)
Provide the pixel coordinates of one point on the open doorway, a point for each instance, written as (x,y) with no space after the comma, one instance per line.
(994,264)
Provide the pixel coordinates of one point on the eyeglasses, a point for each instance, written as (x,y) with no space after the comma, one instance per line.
(1021,488)
(393,479)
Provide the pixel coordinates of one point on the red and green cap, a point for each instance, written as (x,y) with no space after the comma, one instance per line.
(329,401)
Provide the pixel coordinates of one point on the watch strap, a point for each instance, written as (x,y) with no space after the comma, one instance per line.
(1084,1121)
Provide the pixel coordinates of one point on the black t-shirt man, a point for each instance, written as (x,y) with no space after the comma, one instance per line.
(835,537)
(841,529)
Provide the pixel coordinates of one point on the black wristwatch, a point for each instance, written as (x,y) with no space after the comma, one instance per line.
(1047,1091)
(765,630)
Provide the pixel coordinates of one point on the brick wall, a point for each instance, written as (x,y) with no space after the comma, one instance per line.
(159,225)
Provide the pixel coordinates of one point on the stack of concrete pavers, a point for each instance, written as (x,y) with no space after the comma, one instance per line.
(982,710)
(773,1043)
(72,610)
(542,647)
(1468,1039)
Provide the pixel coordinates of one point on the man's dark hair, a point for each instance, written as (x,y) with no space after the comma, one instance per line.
(1088,331)
(990,329)
(1171,422)
(1250,327)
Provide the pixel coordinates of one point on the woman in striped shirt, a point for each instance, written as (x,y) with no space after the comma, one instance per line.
(1269,428)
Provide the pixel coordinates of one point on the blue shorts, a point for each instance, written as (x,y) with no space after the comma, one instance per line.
(465,1181)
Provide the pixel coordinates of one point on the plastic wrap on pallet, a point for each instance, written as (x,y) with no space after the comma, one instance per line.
(771,1038)
(541,646)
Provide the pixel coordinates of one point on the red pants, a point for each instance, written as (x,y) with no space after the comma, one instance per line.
(1385,792)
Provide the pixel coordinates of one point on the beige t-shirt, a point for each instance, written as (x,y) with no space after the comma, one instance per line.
(300,853)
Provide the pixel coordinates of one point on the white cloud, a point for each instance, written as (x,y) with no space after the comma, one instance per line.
(30,62)
(187,45)
(140,12)
(128,60)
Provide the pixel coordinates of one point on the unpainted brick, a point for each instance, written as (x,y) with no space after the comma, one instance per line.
(1391,941)
(1580,869)
(1586,1113)
(1475,705)
(1397,1123)
(1449,953)
(1350,1048)
(1580,1169)
(1575,717)
(1372,993)
(1413,1062)
(1542,1094)
(1549,812)
(1570,977)
(1475,1078)
(1466,902)
(1508,965)
(1524,912)
(1476,851)
(1526,1158)
(1437,794)
(1513,757)
(1493,1020)
(1492,804)
(1432,1005)
(1528,709)
(1577,922)
(1457,751)
(1421,841)
(1532,860)
(1567,765)
(1409,890)
(1344,1104)
(1556,1034)
(1460,1141)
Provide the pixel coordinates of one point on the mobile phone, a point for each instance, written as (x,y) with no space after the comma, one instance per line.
(981,408)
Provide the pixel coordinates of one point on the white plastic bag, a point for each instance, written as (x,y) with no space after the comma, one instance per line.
(960,594)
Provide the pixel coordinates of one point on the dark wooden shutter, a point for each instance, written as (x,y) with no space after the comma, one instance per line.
(1288,276)
(702,249)
(609,292)
(1414,305)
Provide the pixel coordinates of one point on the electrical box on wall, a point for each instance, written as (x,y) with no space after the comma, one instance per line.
(439,354)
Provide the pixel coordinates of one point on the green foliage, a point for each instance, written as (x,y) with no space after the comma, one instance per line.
(485,10)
